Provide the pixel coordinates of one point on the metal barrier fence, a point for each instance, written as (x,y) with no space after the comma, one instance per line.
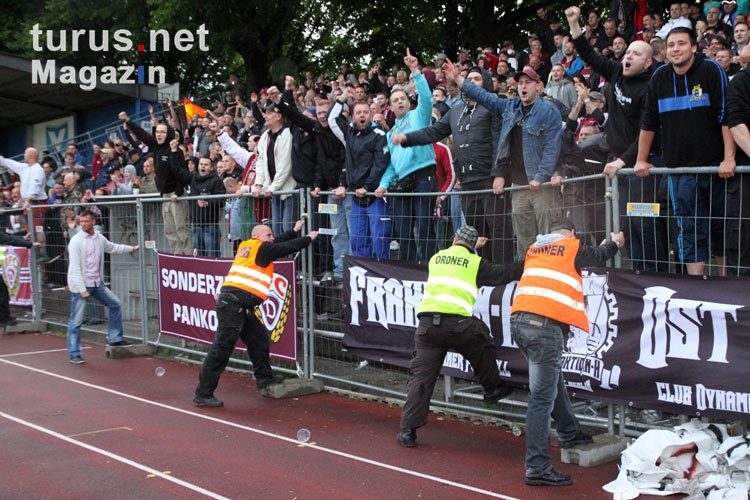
(595,204)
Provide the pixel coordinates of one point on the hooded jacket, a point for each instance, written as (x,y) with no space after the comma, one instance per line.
(626,98)
(689,109)
(475,134)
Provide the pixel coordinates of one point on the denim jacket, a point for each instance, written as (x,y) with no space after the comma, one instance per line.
(542,131)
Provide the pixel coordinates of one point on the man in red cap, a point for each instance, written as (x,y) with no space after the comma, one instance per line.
(527,151)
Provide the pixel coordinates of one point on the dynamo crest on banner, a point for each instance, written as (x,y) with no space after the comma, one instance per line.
(583,357)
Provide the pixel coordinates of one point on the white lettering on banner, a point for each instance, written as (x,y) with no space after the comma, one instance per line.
(208,284)
(389,301)
(458,362)
(485,310)
(195,316)
(716,399)
(673,327)
(674,393)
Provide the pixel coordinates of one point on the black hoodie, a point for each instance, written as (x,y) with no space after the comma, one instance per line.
(626,98)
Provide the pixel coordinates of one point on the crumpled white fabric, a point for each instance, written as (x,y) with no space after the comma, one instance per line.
(695,457)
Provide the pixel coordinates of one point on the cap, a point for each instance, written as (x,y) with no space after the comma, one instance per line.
(271,106)
(597,96)
(649,28)
(529,71)
(113,168)
(561,223)
(107,150)
(469,235)
(441,56)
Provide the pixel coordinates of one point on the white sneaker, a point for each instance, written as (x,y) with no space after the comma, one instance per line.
(395,247)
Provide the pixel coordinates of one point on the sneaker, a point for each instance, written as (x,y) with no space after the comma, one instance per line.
(407,438)
(211,402)
(395,246)
(579,438)
(549,478)
(338,281)
(77,360)
(327,278)
(11,321)
(498,393)
(264,383)
(122,343)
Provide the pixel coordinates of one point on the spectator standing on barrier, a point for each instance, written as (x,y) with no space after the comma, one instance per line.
(738,185)
(548,301)
(412,170)
(446,321)
(243,291)
(626,95)
(475,131)
(686,103)
(7,240)
(175,211)
(367,157)
(274,167)
(527,152)
(86,280)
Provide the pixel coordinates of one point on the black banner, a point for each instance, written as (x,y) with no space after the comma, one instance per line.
(656,340)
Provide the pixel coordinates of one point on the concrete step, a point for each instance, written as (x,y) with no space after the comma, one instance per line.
(604,449)
(116,352)
(293,387)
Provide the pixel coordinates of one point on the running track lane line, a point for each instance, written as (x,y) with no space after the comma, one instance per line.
(119,458)
(264,433)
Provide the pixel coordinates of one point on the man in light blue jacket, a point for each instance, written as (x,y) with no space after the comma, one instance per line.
(527,152)
(412,170)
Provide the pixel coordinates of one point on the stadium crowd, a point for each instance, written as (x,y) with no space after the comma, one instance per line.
(587,95)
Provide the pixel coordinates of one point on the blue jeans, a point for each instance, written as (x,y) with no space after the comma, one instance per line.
(340,225)
(77,313)
(371,230)
(206,240)
(415,212)
(542,346)
(284,213)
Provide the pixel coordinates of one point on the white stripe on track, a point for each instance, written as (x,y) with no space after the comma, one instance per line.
(111,455)
(271,435)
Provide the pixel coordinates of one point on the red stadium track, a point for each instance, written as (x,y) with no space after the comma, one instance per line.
(113,429)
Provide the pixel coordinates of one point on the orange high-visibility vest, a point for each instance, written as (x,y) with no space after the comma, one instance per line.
(551,286)
(246,275)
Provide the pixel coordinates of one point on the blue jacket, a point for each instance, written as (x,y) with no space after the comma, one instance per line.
(542,131)
(404,161)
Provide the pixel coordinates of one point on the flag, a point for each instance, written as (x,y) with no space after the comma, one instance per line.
(192,109)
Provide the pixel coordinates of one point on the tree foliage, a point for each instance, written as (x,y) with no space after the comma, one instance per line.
(261,41)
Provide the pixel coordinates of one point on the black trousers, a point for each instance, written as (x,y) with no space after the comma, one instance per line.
(235,322)
(4,302)
(468,336)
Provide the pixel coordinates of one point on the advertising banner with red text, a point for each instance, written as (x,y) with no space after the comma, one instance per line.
(188,287)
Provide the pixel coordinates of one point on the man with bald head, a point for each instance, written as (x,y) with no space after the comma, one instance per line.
(626,96)
(31,174)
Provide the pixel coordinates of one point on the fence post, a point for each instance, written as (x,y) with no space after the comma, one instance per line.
(36,275)
(144,275)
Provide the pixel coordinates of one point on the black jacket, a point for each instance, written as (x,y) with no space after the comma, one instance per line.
(689,109)
(626,98)
(367,154)
(329,160)
(304,146)
(476,131)
(200,186)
